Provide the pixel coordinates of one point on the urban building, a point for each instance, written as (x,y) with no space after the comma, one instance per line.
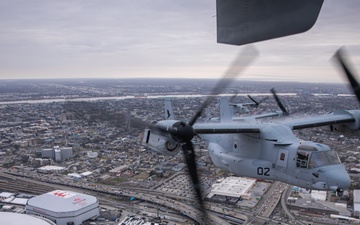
(58,154)
(51,169)
(238,187)
(357,203)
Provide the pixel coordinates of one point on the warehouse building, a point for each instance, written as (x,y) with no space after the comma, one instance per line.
(64,207)
(51,169)
(237,187)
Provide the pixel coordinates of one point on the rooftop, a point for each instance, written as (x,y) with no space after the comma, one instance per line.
(62,201)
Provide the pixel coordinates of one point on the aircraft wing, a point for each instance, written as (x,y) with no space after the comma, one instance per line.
(350,118)
(242,104)
(254,117)
(241,22)
(250,119)
(225,128)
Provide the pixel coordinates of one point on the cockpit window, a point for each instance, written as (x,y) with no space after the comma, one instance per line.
(323,158)
(333,157)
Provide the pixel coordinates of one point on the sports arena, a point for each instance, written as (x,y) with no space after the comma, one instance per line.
(64,207)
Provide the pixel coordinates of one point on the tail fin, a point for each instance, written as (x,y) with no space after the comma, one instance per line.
(169,114)
(226,112)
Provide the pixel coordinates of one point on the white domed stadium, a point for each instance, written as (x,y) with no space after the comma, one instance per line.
(64,207)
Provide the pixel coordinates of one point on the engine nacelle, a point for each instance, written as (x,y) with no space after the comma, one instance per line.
(347,127)
(160,143)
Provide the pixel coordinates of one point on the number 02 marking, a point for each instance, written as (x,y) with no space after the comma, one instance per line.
(263,171)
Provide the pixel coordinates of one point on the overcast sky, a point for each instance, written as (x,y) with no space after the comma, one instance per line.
(160,38)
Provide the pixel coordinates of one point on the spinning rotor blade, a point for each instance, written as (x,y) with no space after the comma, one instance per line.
(278,101)
(183,133)
(189,153)
(252,99)
(257,103)
(339,55)
(242,60)
(239,64)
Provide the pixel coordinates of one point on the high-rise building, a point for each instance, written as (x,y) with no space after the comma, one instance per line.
(58,154)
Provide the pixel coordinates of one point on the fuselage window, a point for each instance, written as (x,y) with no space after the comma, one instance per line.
(282,156)
(302,159)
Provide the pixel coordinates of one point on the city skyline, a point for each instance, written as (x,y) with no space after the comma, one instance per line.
(125,39)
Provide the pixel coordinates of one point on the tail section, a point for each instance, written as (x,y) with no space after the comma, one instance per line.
(226,111)
(169,114)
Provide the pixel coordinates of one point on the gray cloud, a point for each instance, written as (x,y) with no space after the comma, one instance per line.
(142,38)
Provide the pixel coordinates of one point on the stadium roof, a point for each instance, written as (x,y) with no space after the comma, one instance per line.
(18,219)
(62,201)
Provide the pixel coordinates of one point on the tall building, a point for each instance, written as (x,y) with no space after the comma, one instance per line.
(58,154)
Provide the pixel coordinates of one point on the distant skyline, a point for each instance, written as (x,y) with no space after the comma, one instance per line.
(161,39)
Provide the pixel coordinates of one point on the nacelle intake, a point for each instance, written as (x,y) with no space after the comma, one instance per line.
(160,143)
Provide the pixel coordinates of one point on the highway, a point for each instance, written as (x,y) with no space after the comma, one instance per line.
(185,207)
(18,183)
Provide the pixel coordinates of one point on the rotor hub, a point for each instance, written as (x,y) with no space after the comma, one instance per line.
(185,132)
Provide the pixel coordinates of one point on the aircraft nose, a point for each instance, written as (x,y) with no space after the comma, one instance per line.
(339,178)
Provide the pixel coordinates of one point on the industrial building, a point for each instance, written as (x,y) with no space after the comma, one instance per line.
(51,169)
(58,154)
(64,207)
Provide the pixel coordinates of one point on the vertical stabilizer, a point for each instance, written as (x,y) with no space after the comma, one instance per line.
(226,111)
(169,114)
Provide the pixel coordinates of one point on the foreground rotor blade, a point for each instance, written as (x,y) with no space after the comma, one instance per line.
(339,55)
(240,63)
(189,153)
(278,101)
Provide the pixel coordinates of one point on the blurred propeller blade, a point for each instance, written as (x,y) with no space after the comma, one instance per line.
(190,158)
(183,132)
(240,63)
(279,103)
(339,56)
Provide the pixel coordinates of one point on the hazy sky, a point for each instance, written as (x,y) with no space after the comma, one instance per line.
(160,38)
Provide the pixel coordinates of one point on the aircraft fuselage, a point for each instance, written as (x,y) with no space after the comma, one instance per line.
(286,158)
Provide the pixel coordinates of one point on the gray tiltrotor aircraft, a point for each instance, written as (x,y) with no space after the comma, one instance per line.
(243,107)
(260,150)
